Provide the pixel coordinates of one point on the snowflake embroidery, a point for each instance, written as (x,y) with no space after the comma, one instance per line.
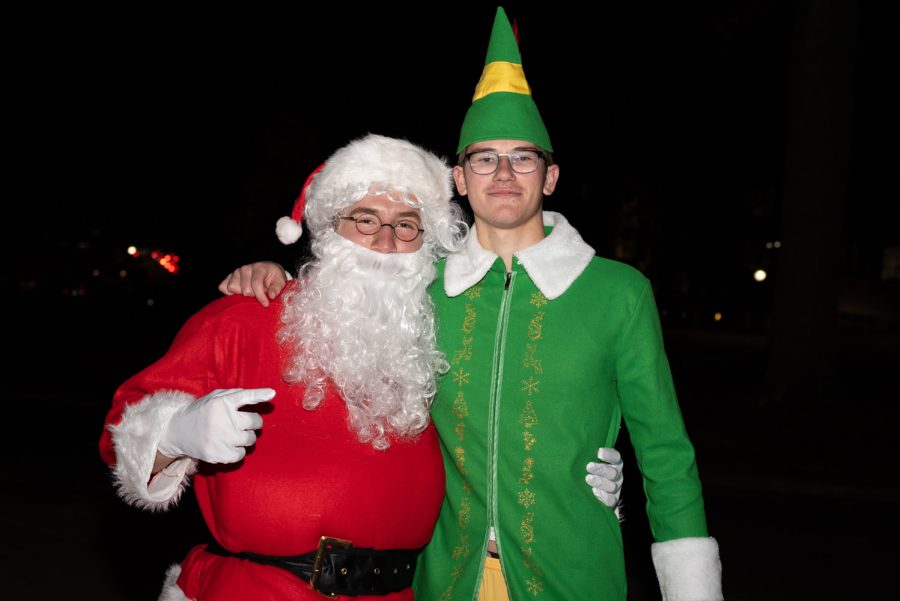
(535,586)
(531,385)
(526,498)
(461,376)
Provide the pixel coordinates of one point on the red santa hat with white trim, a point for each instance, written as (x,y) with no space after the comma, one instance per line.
(370,165)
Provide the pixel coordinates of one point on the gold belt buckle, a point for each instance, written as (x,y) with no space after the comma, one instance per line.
(325,543)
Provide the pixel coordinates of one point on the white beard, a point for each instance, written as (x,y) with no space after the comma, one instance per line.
(364,321)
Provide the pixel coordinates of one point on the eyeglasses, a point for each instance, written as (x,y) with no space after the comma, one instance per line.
(485,162)
(406,230)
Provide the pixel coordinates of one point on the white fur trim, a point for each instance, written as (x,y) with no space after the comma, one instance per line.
(170,590)
(136,439)
(553,264)
(288,230)
(688,569)
(372,159)
(465,268)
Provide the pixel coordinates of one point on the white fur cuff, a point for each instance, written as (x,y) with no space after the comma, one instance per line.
(136,439)
(170,590)
(688,569)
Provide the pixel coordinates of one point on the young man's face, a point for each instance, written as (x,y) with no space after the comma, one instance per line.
(505,199)
(405,219)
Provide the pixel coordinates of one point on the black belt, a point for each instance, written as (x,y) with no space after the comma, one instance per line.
(337,568)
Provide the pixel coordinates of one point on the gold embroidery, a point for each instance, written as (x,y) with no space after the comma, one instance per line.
(527,473)
(538,299)
(535,586)
(526,530)
(534,328)
(469,320)
(465,512)
(461,376)
(531,361)
(531,386)
(529,439)
(526,498)
(465,353)
(528,417)
(460,407)
(461,550)
(460,459)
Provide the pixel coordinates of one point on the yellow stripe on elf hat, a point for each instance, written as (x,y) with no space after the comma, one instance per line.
(502,106)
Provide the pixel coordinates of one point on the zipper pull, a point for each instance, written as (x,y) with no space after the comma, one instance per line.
(508,278)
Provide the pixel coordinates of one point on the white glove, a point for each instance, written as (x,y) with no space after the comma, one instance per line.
(605,479)
(212,429)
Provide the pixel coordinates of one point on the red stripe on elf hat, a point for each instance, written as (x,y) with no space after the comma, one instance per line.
(288,229)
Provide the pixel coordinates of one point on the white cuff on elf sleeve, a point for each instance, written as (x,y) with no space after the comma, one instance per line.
(688,569)
(136,439)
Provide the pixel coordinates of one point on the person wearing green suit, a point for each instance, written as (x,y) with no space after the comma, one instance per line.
(551,348)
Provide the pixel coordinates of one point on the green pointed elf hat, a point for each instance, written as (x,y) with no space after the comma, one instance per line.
(502,108)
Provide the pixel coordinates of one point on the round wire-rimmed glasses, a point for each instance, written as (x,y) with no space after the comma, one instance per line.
(406,230)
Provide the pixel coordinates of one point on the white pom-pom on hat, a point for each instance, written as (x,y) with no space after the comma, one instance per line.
(288,229)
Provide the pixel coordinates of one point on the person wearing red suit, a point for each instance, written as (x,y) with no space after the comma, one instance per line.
(305,429)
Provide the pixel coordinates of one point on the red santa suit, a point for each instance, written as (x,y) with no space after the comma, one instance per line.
(306,477)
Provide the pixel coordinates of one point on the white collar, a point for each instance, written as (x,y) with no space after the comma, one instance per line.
(552,264)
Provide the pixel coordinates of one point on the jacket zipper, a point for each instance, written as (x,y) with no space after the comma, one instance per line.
(494,409)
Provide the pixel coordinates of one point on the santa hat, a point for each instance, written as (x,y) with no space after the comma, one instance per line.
(370,165)
(288,229)
(502,107)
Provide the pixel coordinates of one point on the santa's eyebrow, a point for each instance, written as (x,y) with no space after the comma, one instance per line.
(402,215)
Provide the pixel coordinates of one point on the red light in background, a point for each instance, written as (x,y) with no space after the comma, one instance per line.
(169,263)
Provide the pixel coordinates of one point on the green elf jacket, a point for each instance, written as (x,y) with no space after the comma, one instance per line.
(545,362)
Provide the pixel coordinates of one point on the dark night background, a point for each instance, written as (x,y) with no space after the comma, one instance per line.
(698,143)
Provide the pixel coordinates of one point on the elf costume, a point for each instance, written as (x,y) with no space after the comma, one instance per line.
(546,361)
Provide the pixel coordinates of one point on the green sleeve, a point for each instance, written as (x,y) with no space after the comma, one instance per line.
(664,452)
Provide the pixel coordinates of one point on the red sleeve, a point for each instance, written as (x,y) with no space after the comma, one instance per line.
(190,365)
